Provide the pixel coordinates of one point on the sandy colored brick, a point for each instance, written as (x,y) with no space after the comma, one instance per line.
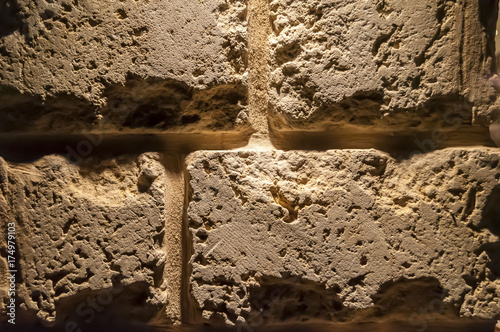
(391,64)
(122,65)
(343,236)
(86,232)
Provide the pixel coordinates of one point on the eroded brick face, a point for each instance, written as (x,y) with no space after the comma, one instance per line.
(123,65)
(88,229)
(190,164)
(343,235)
(387,64)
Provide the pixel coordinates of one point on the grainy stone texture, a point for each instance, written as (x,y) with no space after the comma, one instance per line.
(113,65)
(86,233)
(257,236)
(344,235)
(388,63)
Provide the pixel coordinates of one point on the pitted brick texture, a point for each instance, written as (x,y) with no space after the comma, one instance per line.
(84,230)
(386,63)
(346,235)
(114,65)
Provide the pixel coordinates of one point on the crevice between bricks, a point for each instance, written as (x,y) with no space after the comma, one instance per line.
(76,147)
(387,141)
(173,240)
(259,28)
(177,242)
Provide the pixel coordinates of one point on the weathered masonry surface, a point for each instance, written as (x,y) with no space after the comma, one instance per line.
(380,63)
(250,164)
(343,235)
(115,65)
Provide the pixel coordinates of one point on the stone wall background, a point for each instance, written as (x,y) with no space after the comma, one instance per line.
(250,164)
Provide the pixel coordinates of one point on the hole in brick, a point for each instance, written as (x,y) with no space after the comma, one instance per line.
(357,281)
(291,207)
(35,296)
(287,52)
(152,116)
(187,119)
(241,293)
(326,233)
(363,260)
(121,14)
(202,237)
(144,182)
(289,298)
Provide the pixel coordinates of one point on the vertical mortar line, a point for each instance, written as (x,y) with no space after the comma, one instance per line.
(189,313)
(172,241)
(259,28)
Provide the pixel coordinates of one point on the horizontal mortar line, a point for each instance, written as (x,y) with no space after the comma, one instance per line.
(433,325)
(397,141)
(27,147)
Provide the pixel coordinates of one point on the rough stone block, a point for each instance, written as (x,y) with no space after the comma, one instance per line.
(89,238)
(119,65)
(387,63)
(344,236)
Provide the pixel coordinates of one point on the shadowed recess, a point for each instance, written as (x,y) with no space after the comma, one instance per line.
(27,148)
(409,142)
(491,221)
(138,106)
(9,19)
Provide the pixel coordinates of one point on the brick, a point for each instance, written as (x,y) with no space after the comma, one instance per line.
(89,232)
(123,65)
(343,236)
(389,64)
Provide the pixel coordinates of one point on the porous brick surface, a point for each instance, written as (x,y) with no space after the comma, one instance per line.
(344,235)
(122,65)
(91,231)
(383,63)
(125,222)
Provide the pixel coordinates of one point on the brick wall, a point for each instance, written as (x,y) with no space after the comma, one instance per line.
(249,165)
